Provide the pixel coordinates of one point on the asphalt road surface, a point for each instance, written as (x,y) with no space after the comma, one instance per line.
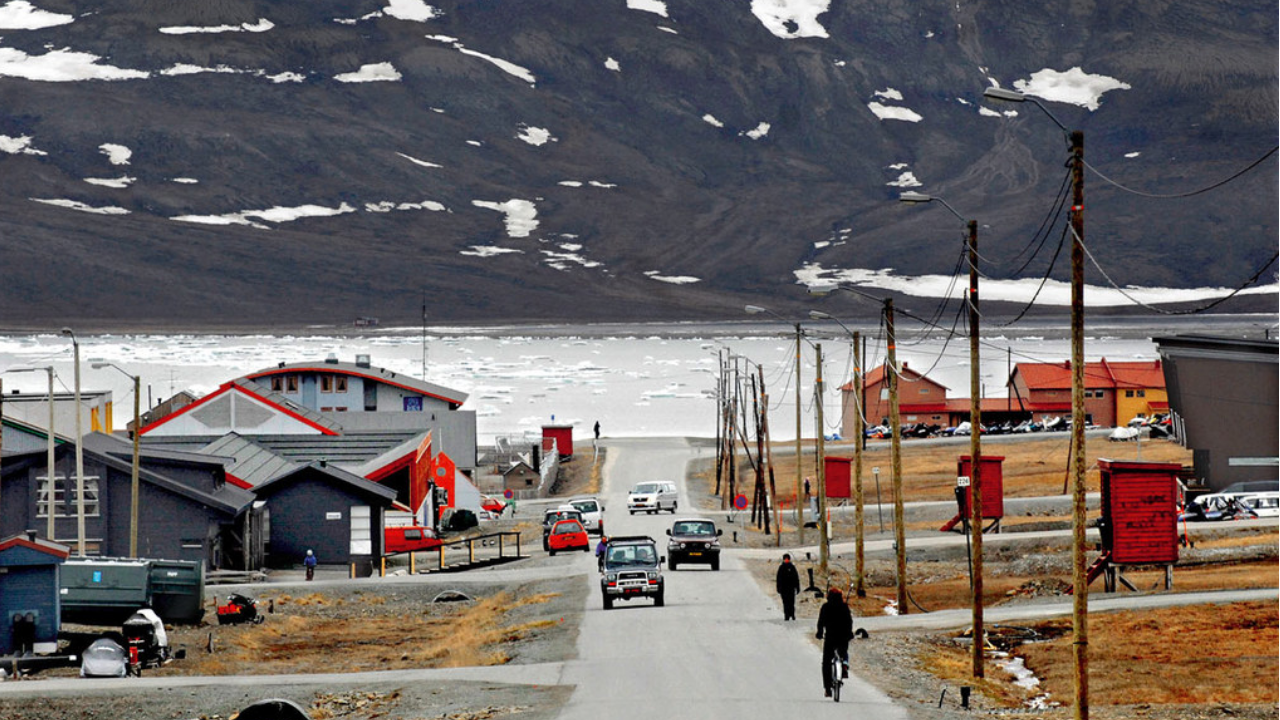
(718,649)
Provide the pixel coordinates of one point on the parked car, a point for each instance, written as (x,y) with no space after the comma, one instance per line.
(632,568)
(693,540)
(1262,504)
(493,505)
(568,535)
(652,497)
(410,538)
(104,658)
(592,514)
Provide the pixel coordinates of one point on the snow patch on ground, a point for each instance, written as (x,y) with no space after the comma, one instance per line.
(262,25)
(82,207)
(414,10)
(273,214)
(1132,154)
(656,7)
(504,65)
(536,135)
(1073,86)
(612,64)
(485,251)
(568,254)
(387,206)
(758,131)
(889,94)
(672,279)
(374,72)
(123,181)
(187,69)
(905,180)
(185,181)
(285,77)
(711,120)
(416,161)
(61,66)
(22,15)
(889,112)
(789,19)
(116,154)
(20,145)
(522,215)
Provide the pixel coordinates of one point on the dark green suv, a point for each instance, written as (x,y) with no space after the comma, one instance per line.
(631,568)
(693,540)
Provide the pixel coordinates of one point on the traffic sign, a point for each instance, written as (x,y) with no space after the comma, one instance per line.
(740,501)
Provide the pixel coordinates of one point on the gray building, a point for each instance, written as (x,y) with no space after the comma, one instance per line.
(1223,393)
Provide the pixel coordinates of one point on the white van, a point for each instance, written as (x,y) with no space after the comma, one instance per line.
(592,514)
(1265,504)
(652,497)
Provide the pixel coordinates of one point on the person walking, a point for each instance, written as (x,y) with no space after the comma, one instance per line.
(597,429)
(788,587)
(835,630)
(309,562)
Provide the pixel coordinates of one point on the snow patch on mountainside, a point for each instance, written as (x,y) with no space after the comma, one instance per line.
(522,215)
(1074,86)
(790,19)
(22,15)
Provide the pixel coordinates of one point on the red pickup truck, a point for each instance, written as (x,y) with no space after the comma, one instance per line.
(410,538)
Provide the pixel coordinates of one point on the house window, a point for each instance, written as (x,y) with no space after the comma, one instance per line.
(924,391)
(291,384)
(326,409)
(90,496)
(42,498)
(340,408)
(528,481)
(1142,393)
(277,383)
(340,384)
(884,393)
(1100,393)
(1128,393)
(326,383)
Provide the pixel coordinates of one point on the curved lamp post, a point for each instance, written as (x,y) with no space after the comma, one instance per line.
(975,436)
(75,346)
(137,425)
(1079,576)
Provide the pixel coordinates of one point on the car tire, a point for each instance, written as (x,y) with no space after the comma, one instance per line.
(715,564)
(671,565)
(632,512)
(608,603)
(553,552)
(673,508)
(659,600)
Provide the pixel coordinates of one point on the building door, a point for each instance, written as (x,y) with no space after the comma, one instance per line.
(361,530)
(370,397)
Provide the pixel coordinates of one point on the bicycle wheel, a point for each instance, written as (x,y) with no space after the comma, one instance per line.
(836,680)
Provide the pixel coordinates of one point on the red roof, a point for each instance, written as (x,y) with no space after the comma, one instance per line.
(877,376)
(1097,375)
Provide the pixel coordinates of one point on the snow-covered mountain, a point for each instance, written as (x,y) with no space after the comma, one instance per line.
(240,162)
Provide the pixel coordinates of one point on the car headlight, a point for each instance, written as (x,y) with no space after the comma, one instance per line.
(611,577)
(653,575)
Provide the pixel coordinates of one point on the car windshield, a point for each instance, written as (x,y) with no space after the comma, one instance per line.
(632,555)
(645,489)
(585,505)
(694,528)
(570,526)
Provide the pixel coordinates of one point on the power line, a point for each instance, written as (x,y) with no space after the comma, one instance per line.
(1205,189)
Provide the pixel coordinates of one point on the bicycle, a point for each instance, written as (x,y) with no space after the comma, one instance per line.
(837,675)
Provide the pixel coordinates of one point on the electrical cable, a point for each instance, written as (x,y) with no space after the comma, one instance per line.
(1160,196)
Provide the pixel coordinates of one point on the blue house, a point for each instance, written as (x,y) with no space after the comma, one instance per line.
(29,609)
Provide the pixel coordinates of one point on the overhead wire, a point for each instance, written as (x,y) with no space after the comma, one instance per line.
(1169,196)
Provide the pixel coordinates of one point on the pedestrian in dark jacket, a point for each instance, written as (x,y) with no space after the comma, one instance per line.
(788,587)
(835,630)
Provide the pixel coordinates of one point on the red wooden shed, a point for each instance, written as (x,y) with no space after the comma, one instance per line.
(992,485)
(839,476)
(1139,511)
(563,436)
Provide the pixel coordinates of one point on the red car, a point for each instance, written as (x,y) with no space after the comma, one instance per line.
(568,535)
(493,505)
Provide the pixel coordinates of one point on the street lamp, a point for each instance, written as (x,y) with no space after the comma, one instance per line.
(75,346)
(975,419)
(859,575)
(895,442)
(756,310)
(52,476)
(137,425)
(1080,583)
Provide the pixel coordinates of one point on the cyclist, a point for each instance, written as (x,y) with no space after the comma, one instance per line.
(835,629)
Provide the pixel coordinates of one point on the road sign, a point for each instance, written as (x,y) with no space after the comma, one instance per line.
(740,501)
(508,494)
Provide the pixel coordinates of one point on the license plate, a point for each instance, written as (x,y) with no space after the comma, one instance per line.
(695,554)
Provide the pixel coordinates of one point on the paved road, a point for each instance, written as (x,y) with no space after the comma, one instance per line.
(719,648)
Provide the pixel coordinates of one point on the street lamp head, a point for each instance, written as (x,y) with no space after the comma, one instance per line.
(914,197)
(68,332)
(755,309)
(819,315)
(995,93)
(823,289)
(99,365)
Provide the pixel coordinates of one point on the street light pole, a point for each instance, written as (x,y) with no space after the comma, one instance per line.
(52,475)
(975,435)
(895,429)
(137,425)
(1079,574)
(75,346)
(756,310)
(824,532)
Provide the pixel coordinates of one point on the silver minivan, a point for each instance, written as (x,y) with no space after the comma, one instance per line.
(652,497)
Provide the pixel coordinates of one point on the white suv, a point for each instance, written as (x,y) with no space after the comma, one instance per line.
(652,497)
(592,514)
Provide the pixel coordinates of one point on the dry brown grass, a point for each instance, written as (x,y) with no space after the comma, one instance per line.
(1269,537)
(1200,654)
(954,664)
(455,636)
(1031,468)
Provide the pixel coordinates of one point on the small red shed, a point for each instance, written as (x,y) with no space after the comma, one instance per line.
(563,436)
(992,485)
(839,476)
(1139,511)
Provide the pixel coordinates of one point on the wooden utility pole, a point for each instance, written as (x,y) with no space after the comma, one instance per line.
(824,532)
(768,454)
(859,437)
(1080,584)
(895,428)
(975,452)
(721,399)
(800,498)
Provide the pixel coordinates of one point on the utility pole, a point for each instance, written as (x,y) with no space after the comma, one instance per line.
(859,583)
(800,498)
(133,475)
(824,532)
(975,452)
(1080,584)
(768,453)
(895,427)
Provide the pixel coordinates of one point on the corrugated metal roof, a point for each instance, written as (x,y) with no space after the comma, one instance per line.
(450,395)
(250,462)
